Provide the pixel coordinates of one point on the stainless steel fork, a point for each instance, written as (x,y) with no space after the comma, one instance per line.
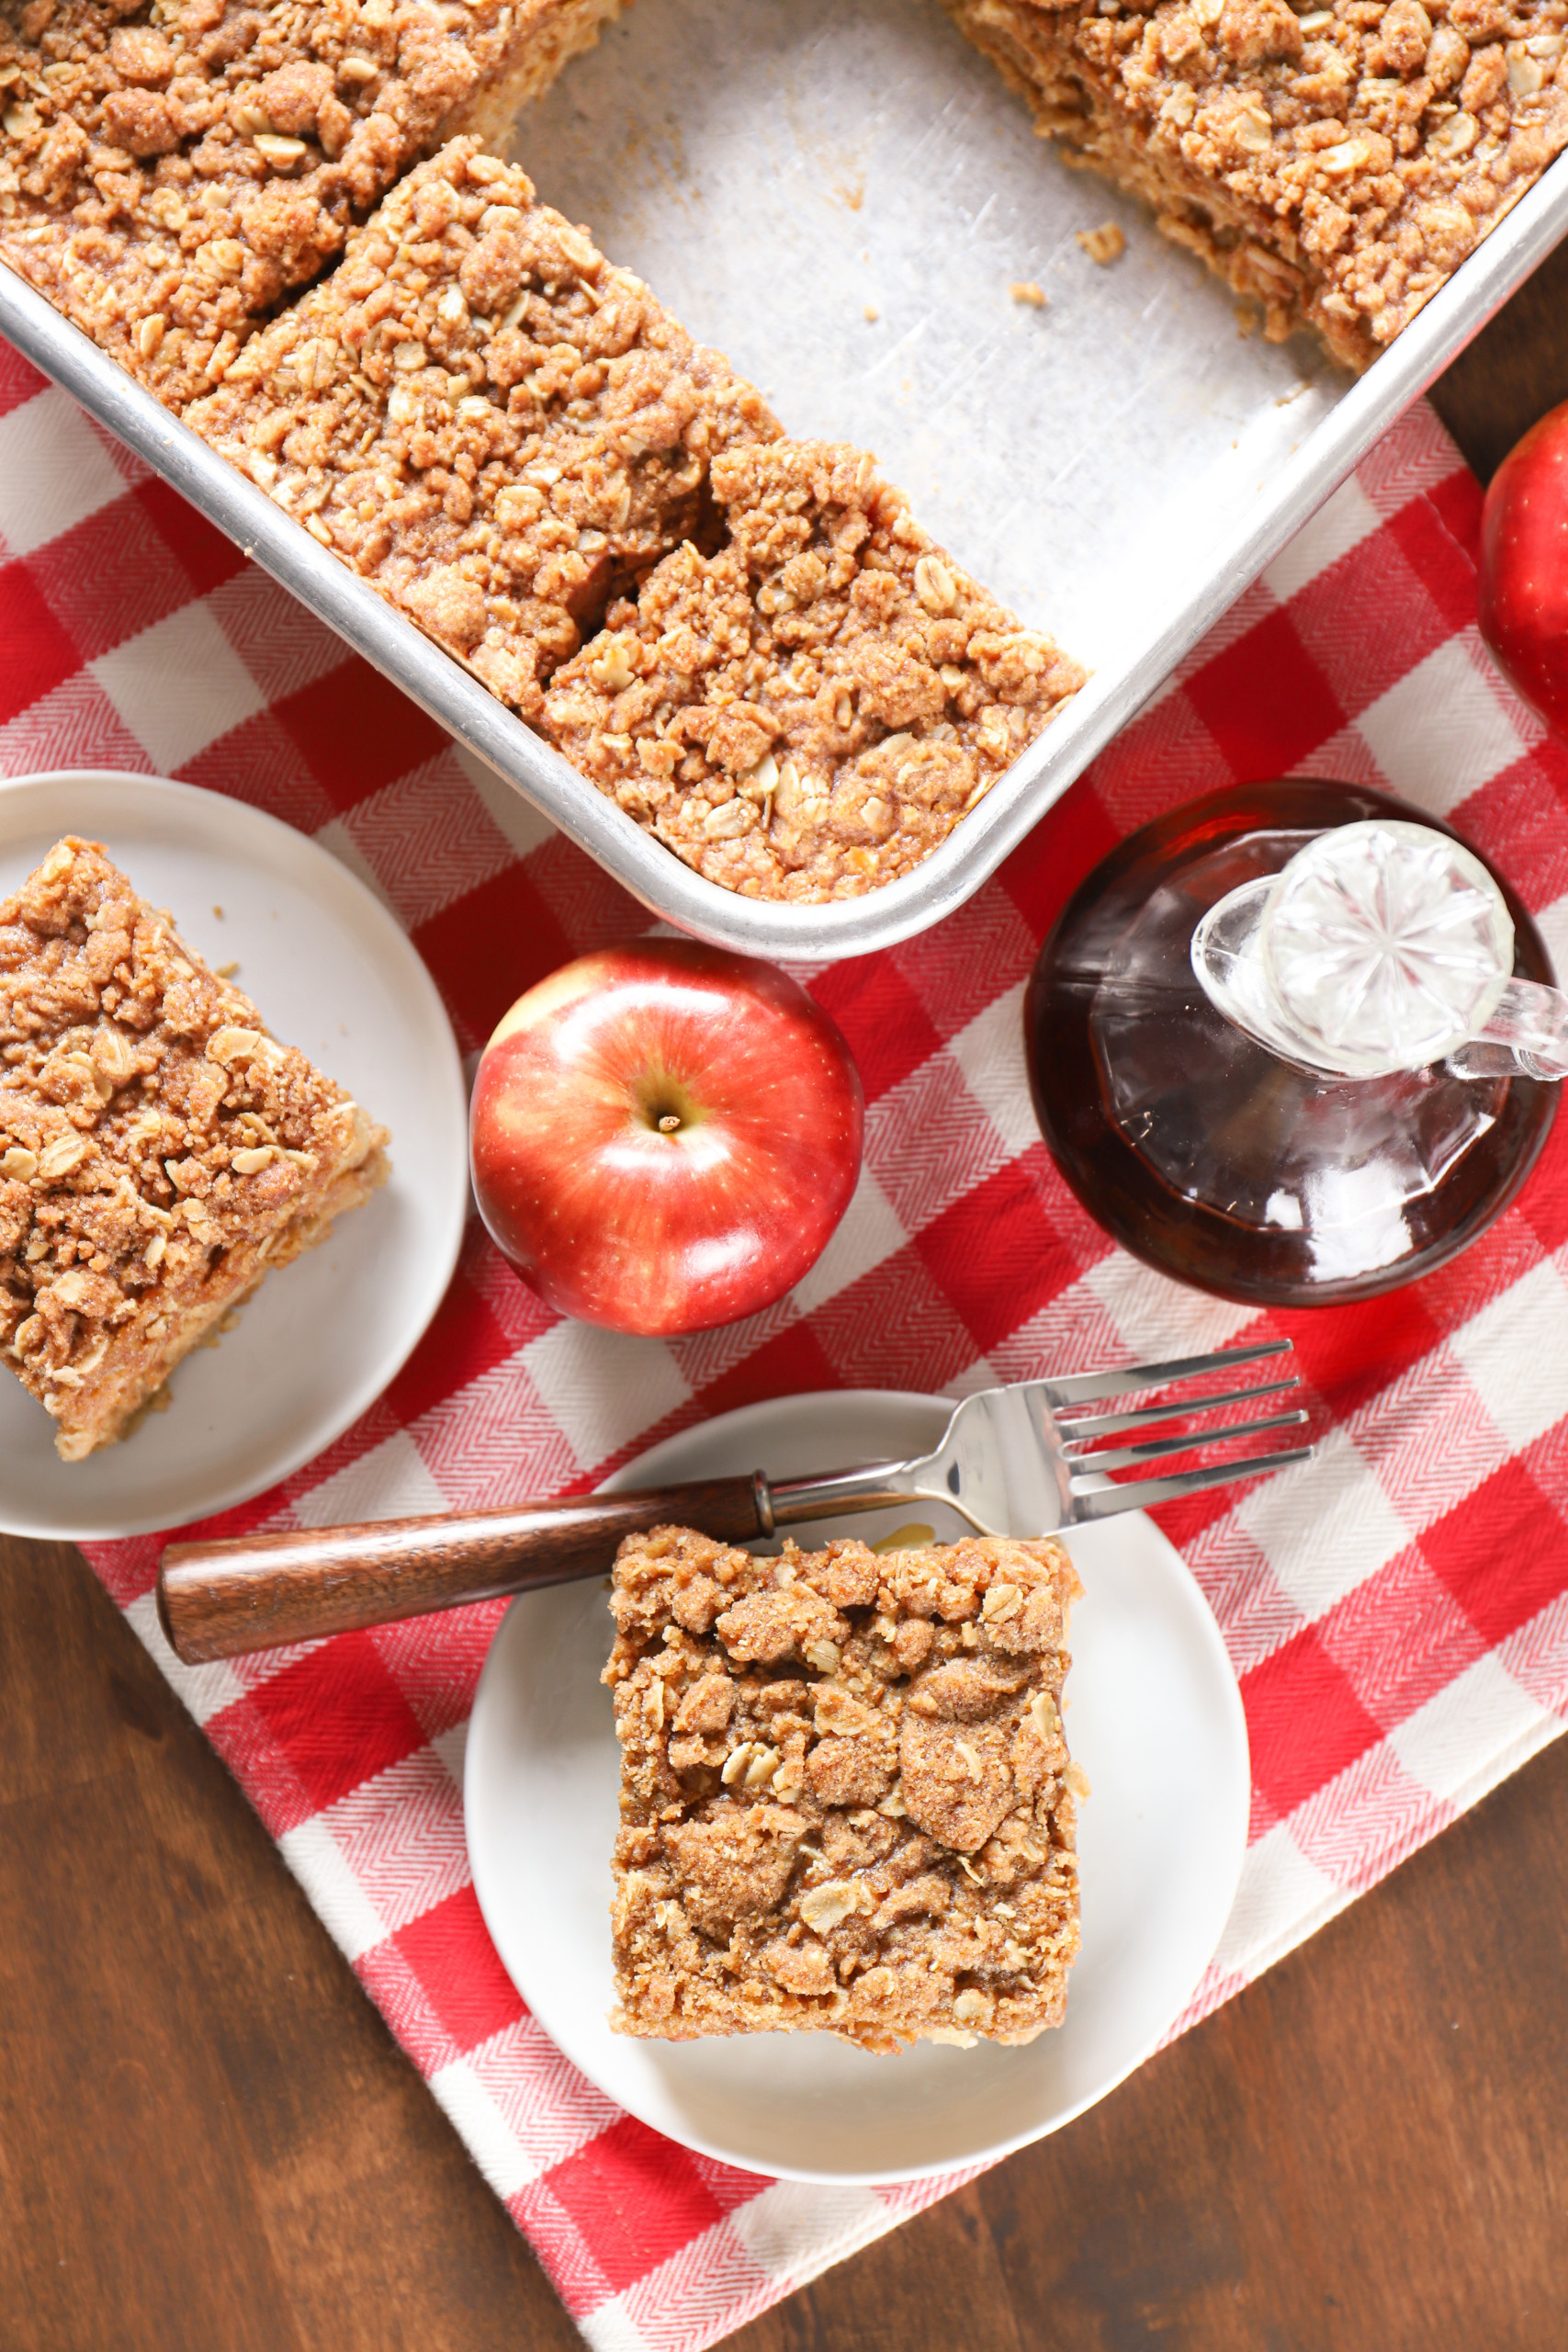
(1020,1461)
(1017,1461)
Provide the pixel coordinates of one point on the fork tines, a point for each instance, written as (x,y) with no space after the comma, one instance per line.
(1090,1388)
(1097,1497)
(1096,1493)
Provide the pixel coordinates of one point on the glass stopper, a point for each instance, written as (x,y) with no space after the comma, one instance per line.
(1384,946)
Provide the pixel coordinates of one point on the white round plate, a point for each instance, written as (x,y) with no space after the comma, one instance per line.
(332,974)
(1155,1718)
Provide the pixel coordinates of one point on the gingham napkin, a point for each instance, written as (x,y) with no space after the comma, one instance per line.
(1397,1612)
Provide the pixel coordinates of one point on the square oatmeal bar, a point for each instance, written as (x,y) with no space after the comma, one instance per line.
(846,1799)
(805,713)
(159,1150)
(486,419)
(168,171)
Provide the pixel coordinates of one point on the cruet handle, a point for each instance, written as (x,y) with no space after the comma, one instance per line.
(1527,1032)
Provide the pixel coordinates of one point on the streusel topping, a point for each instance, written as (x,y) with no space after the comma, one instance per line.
(806,713)
(485,418)
(156,1143)
(846,1799)
(1335,164)
(168,171)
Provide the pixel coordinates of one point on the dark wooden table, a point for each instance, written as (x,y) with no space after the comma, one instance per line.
(208,2141)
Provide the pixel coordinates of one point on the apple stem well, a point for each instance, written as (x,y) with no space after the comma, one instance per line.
(661,1104)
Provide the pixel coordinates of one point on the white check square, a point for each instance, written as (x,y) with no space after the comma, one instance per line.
(515,817)
(1348,519)
(206,1690)
(336,1896)
(479,2124)
(784,2229)
(869,1234)
(1323,1527)
(55,472)
(389,1482)
(178,686)
(1479,1716)
(604,1388)
(989,1052)
(1281,1897)
(1158,1319)
(1515,1355)
(1443,731)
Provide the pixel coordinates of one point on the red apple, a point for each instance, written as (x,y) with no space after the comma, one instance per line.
(1524,567)
(664,1135)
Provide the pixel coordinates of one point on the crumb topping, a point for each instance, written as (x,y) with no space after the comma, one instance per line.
(486,419)
(168,171)
(1334,164)
(809,712)
(846,1803)
(158,1146)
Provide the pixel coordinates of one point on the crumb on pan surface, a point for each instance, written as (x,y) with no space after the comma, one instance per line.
(159,1151)
(168,171)
(1333,164)
(808,712)
(846,1799)
(485,418)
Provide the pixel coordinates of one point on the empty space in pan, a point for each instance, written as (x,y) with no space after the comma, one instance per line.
(776,173)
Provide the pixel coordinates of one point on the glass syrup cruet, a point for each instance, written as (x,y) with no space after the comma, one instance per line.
(1291,1044)
(1382,946)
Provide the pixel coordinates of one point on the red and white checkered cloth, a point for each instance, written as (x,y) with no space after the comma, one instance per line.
(1397,1611)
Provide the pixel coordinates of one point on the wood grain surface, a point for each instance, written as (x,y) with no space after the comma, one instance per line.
(1515,370)
(208,2141)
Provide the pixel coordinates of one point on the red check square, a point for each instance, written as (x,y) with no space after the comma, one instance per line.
(1306,1721)
(637,2199)
(1265,700)
(448,1950)
(330,1721)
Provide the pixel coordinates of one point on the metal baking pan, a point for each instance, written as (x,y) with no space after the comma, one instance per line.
(842,199)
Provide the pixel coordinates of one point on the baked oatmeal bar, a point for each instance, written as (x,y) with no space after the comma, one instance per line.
(1333,164)
(159,1150)
(482,416)
(846,1801)
(168,171)
(807,713)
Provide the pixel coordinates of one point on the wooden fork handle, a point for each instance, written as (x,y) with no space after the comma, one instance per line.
(259,1593)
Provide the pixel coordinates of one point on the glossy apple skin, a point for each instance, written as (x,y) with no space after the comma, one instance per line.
(617,1223)
(1524,567)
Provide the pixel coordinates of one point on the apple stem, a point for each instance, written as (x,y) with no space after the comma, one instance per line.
(669,1124)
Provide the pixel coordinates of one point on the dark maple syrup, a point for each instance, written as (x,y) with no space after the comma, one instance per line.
(1200,1151)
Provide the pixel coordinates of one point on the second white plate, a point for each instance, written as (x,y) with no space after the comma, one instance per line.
(1155,1718)
(332,974)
